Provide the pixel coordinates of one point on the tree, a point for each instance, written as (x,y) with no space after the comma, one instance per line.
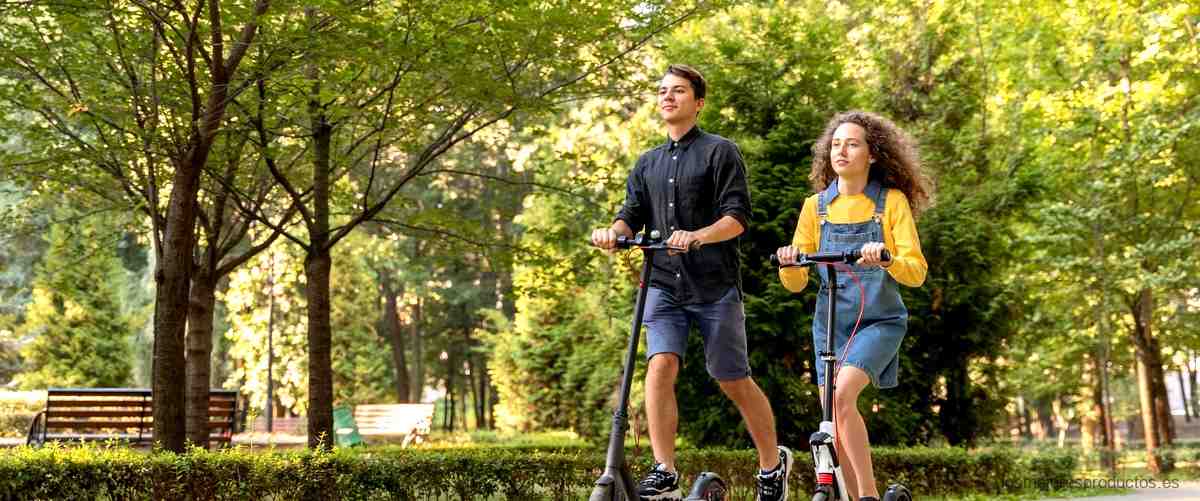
(1118,129)
(385,92)
(79,334)
(137,108)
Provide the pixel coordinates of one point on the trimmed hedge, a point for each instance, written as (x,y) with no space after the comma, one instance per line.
(59,472)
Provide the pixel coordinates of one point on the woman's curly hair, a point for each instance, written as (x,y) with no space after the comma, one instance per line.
(897,164)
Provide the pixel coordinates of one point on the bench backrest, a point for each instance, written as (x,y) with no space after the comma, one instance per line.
(393,419)
(92,411)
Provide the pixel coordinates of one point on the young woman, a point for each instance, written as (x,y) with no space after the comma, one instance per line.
(869,189)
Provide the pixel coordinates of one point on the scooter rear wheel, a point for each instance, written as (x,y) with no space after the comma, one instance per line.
(820,496)
(708,487)
(897,492)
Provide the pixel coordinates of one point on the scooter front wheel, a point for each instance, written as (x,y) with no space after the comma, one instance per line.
(707,487)
(897,492)
(607,493)
(607,489)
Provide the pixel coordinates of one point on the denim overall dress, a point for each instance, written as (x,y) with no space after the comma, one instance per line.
(876,346)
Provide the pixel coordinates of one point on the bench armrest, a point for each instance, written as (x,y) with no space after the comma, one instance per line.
(36,432)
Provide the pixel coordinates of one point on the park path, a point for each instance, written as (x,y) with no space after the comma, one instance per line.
(1189,490)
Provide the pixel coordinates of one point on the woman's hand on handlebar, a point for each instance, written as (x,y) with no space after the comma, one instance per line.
(787,255)
(872,255)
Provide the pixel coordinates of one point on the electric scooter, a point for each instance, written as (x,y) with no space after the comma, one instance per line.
(617,484)
(831,485)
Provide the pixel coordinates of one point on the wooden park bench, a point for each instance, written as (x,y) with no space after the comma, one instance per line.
(409,422)
(118,414)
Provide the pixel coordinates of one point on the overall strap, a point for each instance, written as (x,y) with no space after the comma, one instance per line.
(879,195)
(824,199)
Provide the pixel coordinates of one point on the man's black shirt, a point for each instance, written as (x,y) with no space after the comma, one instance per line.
(687,185)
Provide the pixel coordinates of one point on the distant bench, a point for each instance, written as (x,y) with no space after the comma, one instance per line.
(409,422)
(120,414)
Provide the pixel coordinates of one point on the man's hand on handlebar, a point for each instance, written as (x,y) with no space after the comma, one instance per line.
(872,255)
(683,241)
(605,238)
(787,255)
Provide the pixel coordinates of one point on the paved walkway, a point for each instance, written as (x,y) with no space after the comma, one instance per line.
(1189,489)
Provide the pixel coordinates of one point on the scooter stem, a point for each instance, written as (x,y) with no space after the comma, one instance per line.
(615,459)
(828,357)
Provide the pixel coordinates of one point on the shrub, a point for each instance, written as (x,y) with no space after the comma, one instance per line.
(103,472)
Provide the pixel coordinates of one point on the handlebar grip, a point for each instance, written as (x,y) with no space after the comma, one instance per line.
(855,255)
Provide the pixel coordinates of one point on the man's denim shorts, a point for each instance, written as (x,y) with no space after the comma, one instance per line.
(722,325)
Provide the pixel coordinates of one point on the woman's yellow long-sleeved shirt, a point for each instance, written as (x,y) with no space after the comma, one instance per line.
(899,234)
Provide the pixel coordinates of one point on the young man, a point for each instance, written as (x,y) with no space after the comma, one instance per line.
(694,189)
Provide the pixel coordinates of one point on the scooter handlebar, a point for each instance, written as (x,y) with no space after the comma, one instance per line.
(641,240)
(827,257)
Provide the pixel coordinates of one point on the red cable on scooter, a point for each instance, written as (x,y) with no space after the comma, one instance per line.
(862,303)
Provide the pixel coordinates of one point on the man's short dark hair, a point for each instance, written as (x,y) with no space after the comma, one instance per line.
(699,87)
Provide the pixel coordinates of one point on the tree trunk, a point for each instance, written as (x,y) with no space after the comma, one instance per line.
(1149,355)
(317,266)
(320,369)
(1023,417)
(199,355)
(418,378)
(1043,419)
(956,415)
(395,334)
(1061,422)
(483,417)
(172,284)
(462,403)
(472,382)
(1100,395)
(449,417)
(1183,394)
(1150,427)
(1193,402)
(1162,406)
(270,407)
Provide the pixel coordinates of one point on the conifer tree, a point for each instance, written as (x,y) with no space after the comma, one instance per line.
(80,337)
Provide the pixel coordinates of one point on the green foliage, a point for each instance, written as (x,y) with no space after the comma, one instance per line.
(19,214)
(57,472)
(79,333)
(362,365)
(1110,125)
(548,441)
(558,362)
